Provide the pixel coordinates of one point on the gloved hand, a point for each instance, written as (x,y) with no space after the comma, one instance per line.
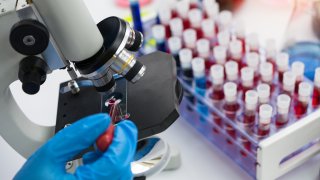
(114,164)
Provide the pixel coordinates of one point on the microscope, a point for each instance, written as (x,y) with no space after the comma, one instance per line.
(40,36)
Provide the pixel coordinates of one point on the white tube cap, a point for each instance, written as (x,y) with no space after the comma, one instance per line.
(298,68)
(175,44)
(211,8)
(289,80)
(176,26)
(305,89)
(198,67)
(217,74)
(224,20)
(220,54)
(232,70)
(203,48)
(253,60)
(283,104)
(195,18)
(159,33)
(247,74)
(265,114)
(185,56)
(236,49)
(183,8)
(251,99)
(190,38)
(239,29)
(282,61)
(271,49)
(264,93)
(317,77)
(165,15)
(224,38)
(208,28)
(230,91)
(253,41)
(266,71)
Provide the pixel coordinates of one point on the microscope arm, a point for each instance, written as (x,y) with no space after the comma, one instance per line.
(18,131)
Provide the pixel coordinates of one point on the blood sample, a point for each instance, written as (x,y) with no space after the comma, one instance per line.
(316,91)
(208,30)
(283,107)
(301,106)
(220,54)
(105,140)
(183,8)
(298,69)
(240,33)
(288,84)
(159,34)
(194,4)
(175,46)
(236,52)
(247,75)
(253,61)
(165,17)
(232,71)
(203,50)
(252,42)
(211,9)
(217,77)
(224,20)
(231,106)
(282,61)
(195,19)
(264,93)
(176,27)
(265,116)
(198,68)
(224,38)
(190,39)
(251,103)
(266,74)
(271,52)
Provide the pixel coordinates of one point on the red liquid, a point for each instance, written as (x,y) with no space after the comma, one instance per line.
(244,90)
(194,6)
(246,144)
(316,97)
(280,76)
(281,120)
(231,132)
(296,88)
(272,61)
(263,129)
(243,41)
(208,64)
(230,109)
(104,141)
(199,32)
(186,23)
(300,108)
(256,78)
(217,93)
(218,121)
(174,14)
(168,31)
(249,118)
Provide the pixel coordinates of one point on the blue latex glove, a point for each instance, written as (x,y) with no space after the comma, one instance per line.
(114,164)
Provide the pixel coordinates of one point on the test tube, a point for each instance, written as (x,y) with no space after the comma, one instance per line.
(252,42)
(224,38)
(176,26)
(165,17)
(264,93)
(224,20)
(159,34)
(265,116)
(185,56)
(288,84)
(217,77)
(190,39)
(136,15)
(240,33)
(231,106)
(220,54)
(301,106)
(198,68)
(175,46)
(266,74)
(298,68)
(253,61)
(195,19)
(183,8)
(271,51)
(236,51)
(282,61)
(283,107)
(251,103)
(316,91)
(232,71)
(247,75)
(211,9)
(208,30)
(203,49)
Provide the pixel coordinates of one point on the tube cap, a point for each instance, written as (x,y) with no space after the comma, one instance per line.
(282,61)
(317,77)
(265,113)
(195,18)
(198,67)
(220,54)
(305,89)
(185,56)
(239,29)
(183,8)
(289,80)
(190,38)
(211,8)
(208,28)
(224,38)
(232,70)
(271,49)
(253,60)
(224,20)
(247,75)
(253,41)
(176,26)
(217,74)
(251,99)
(165,15)
(174,44)
(203,48)
(236,49)
(230,91)
(264,93)
(266,71)
(283,103)
(159,33)
(298,69)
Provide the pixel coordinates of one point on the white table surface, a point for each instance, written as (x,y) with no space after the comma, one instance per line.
(200,159)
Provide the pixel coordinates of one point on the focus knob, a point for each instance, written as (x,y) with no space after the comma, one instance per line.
(32,73)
